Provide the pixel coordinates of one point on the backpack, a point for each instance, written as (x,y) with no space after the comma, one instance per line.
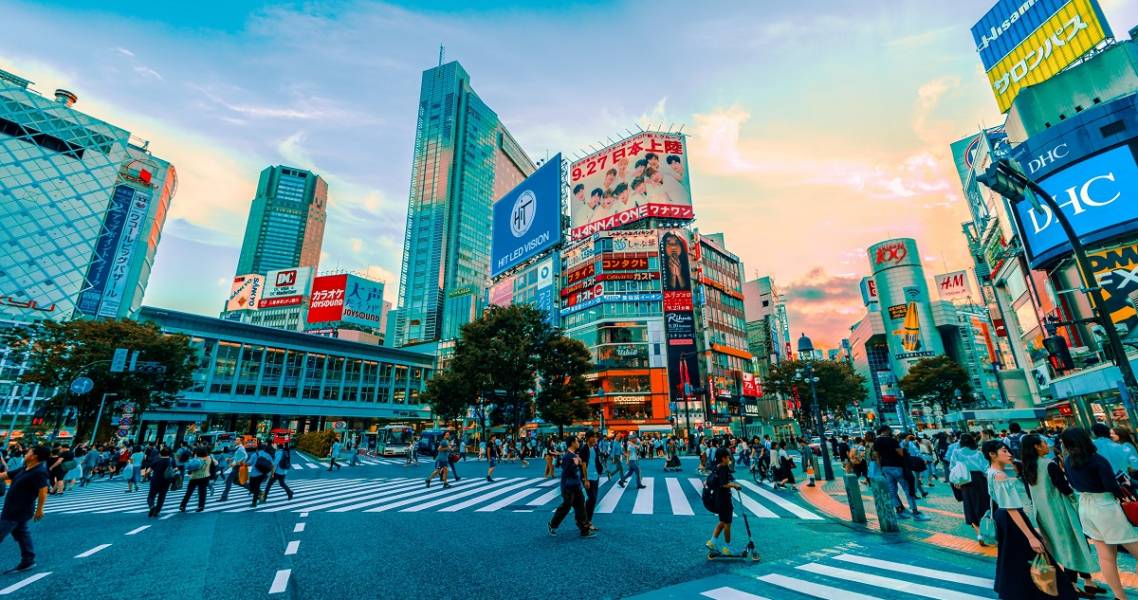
(170,472)
(286,459)
(263,464)
(708,495)
(194,464)
(1015,440)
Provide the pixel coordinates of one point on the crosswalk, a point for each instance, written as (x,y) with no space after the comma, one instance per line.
(860,574)
(661,496)
(301,462)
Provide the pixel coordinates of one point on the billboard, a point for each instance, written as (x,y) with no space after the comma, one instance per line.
(99,269)
(951,286)
(245,292)
(502,292)
(893,253)
(327,301)
(1099,195)
(1046,37)
(868,291)
(363,301)
(679,318)
(642,176)
(116,288)
(1116,272)
(527,220)
(285,287)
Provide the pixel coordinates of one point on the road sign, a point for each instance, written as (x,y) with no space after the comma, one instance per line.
(339,425)
(125,421)
(123,431)
(118,362)
(128,409)
(82,385)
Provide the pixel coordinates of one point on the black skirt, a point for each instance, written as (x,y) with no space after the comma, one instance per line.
(976,499)
(1013,563)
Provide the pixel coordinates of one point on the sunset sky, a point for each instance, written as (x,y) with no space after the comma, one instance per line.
(816,128)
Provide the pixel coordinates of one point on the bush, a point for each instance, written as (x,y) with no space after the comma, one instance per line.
(316,443)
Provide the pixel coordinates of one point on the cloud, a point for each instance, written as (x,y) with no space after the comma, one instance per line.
(818,285)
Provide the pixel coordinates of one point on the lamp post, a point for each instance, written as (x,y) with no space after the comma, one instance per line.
(806,354)
(1011,183)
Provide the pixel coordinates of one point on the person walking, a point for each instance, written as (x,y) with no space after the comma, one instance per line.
(197,468)
(891,464)
(161,471)
(334,453)
(973,492)
(1103,521)
(23,502)
(442,463)
(617,458)
(784,472)
(282,462)
(633,457)
(1056,514)
(1125,440)
(591,468)
(724,482)
(90,464)
(571,496)
(353,454)
(238,460)
(549,454)
(260,468)
(492,457)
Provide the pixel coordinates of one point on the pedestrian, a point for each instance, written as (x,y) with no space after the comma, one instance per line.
(549,455)
(24,501)
(442,463)
(136,456)
(571,496)
(591,467)
(1016,538)
(1100,514)
(1125,440)
(915,464)
(928,454)
(633,457)
(282,462)
(161,471)
(492,456)
(617,458)
(237,461)
(260,468)
(722,482)
(198,470)
(1109,449)
(891,459)
(56,471)
(1056,513)
(353,455)
(334,453)
(973,491)
(784,472)
(89,464)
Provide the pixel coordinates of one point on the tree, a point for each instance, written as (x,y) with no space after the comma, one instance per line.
(838,386)
(936,381)
(564,391)
(449,395)
(59,352)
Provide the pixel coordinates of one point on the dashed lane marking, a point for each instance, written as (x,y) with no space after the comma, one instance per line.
(292,547)
(138,530)
(98,548)
(303,514)
(299,528)
(728,593)
(280,581)
(23,583)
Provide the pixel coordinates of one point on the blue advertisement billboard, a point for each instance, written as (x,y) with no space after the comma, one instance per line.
(363,301)
(99,270)
(1008,24)
(1099,195)
(527,220)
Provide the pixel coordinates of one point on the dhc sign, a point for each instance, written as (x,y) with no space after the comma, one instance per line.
(1099,195)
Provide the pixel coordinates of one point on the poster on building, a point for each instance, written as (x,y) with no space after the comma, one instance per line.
(545,298)
(116,289)
(286,287)
(327,300)
(679,318)
(1116,271)
(751,386)
(363,301)
(502,292)
(245,292)
(642,176)
(527,220)
(99,269)
(953,286)
(868,291)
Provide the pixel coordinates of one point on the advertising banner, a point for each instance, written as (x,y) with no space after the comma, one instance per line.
(502,292)
(643,176)
(751,386)
(954,285)
(868,291)
(286,287)
(1007,25)
(1059,40)
(98,271)
(1116,271)
(545,299)
(894,253)
(120,264)
(363,301)
(963,155)
(679,318)
(1099,195)
(245,292)
(527,220)
(634,240)
(327,300)
(581,253)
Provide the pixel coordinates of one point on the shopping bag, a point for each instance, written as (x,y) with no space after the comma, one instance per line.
(1043,575)
(243,474)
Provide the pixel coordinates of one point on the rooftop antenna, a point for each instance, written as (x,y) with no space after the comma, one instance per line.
(442,54)
(681,129)
(670,126)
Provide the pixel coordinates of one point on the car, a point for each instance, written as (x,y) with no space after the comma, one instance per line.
(429,441)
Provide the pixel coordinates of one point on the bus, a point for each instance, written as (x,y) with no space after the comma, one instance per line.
(394,440)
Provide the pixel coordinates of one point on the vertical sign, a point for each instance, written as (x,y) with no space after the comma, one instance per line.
(120,264)
(679,318)
(100,267)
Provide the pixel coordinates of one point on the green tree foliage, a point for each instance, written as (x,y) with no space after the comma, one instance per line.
(449,394)
(838,386)
(936,380)
(316,443)
(564,391)
(60,352)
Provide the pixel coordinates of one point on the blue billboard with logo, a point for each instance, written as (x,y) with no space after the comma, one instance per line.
(527,220)
(1099,195)
(1008,24)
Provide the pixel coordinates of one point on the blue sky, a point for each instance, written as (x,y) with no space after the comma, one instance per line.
(817,128)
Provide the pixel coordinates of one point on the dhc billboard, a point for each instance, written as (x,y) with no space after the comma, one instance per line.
(527,220)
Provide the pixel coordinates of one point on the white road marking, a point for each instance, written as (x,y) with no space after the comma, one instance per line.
(813,589)
(23,582)
(896,585)
(644,498)
(303,514)
(676,497)
(508,500)
(982,582)
(470,491)
(789,506)
(729,593)
(545,498)
(292,547)
(486,496)
(298,528)
(280,581)
(138,530)
(611,499)
(327,501)
(98,548)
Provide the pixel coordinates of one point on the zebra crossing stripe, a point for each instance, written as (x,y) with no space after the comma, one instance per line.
(611,499)
(485,497)
(329,499)
(246,500)
(730,593)
(676,497)
(411,492)
(644,498)
(545,498)
(756,509)
(895,585)
(783,503)
(810,588)
(321,493)
(865,561)
(97,501)
(509,500)
(470,491)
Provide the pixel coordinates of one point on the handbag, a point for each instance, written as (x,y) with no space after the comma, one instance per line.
(959,474)
(1130,509)
(1044,575)
(917,464)
(242,474)
(988,528)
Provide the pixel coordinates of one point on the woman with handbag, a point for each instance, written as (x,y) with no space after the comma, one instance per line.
(973,491)
(1017,541)
(1056,513)
(1102,517)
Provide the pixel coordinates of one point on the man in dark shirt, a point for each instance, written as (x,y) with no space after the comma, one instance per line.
(571,496)
(592,465)
(24,501)
(891,462)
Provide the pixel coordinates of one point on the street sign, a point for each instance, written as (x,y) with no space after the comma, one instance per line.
(82,385)
(123,431)
(118,362)
(125,421)
(128,408)
(133,360)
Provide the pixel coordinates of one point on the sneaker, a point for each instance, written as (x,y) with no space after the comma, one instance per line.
(725,551)
(588,533)
(640,487)
(550,529)
(710,545)
(593,527)
(446,486)
(428,482)
(921,517)
(903,515)
(23,566)
(620,483)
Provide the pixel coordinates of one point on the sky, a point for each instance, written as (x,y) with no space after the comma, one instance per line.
(816,129)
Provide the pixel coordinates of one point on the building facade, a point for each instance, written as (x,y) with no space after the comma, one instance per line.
(464,159)
(286,221)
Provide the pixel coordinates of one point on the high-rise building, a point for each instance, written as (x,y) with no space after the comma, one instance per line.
(82,205)
(464,160)
(286,222)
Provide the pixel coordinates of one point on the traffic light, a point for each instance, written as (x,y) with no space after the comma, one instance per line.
(997,181)
(1058,353)
(37,418)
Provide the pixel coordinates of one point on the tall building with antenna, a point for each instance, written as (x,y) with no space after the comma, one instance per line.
(464,159)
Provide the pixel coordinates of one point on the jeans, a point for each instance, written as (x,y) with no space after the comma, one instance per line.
(255,486)
(19,531)
(277,477)
(332,463)
(195,484)
(571,498)
(895,476)
(633,467)
(355,459)
(156,497)
(591,498)
(229,481)
(617,466)
(453,471)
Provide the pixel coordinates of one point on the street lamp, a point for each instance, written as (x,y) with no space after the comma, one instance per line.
(806,354)
(1008,181)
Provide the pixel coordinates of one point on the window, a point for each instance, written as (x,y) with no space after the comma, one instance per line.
(313,375)
(250,370)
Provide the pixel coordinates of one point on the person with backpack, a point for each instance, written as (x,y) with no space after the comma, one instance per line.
(1014,440)
(571,496)
(591,461)
(240,458)
(282,462)
(197,468)
(716,497)
(161,471)
(260,469)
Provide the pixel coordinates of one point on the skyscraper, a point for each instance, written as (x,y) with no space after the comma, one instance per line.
(82,206)
(286,222)
(464,160)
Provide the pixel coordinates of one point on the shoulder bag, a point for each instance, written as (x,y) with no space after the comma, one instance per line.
(1044,575)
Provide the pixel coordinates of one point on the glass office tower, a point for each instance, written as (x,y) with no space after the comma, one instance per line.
(464,160)
(286,222)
